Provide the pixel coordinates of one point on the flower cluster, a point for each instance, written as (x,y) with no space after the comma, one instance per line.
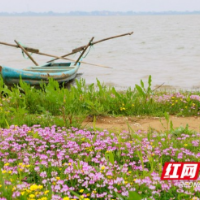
(66,164)
(180,103)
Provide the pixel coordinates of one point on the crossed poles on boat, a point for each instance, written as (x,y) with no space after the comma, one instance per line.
(26,50)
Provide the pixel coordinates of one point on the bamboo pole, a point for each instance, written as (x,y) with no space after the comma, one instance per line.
(32,50)
(49,55)
(82,47)
(84,51)
(24,50)
(57,57)
(61,57)
(113,37)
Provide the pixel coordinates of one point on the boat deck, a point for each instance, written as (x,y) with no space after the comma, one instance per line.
(55,69)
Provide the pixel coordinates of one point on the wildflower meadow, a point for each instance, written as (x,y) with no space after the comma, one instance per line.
(45,153)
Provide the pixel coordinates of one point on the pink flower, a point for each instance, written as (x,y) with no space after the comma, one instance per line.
(43,174)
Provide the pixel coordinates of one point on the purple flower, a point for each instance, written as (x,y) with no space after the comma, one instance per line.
(43,174)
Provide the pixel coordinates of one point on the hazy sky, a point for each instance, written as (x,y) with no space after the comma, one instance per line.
(91,5)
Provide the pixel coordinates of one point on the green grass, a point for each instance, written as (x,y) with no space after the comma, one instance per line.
(52,104)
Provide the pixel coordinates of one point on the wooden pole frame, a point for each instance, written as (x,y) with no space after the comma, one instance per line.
(52,56)
(24,50)
(84,51)
(36,51)
(82,47)
(29,49)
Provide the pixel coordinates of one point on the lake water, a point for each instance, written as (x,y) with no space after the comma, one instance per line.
(166,47)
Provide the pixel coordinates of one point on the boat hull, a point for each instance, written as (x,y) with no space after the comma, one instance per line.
(61,72)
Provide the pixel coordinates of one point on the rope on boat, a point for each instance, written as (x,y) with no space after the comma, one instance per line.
(91,46)
(23,54)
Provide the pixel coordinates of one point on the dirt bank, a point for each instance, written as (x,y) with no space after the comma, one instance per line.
(142,123)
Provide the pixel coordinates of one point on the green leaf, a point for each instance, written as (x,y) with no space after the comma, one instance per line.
(74,193)
(111,157)
(87,159)
(149,81)
(149,136)
(188,99)
(139,89)
(142,84)
(7,123)
(99,85)
(119,138)
(74,166)
(149,84)
(107,156)
(94,138)
(171,126)
(78,163)
(36,135)
(118,154)
(119,196)
(166,117)
(134,196)
(116,93)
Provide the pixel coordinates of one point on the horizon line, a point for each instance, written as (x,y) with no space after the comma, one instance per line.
(93,13)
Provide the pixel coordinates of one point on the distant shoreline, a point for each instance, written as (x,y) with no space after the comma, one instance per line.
(99,13)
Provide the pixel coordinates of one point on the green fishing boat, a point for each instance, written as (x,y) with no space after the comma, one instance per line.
(61,72)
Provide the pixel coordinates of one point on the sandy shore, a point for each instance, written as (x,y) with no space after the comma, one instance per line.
(142,123)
